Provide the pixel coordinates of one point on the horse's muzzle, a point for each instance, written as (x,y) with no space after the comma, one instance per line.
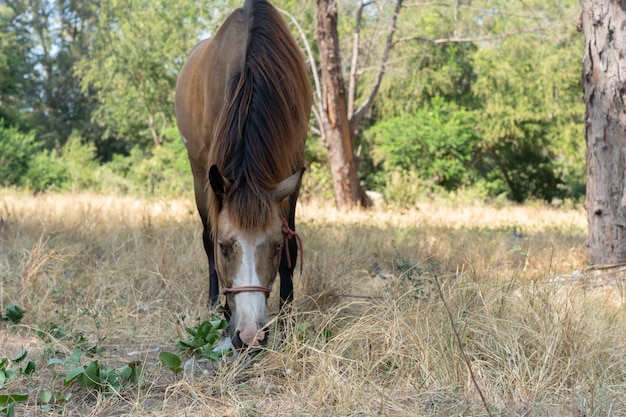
(239,344)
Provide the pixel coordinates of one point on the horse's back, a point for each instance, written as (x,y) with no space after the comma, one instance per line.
(202,82)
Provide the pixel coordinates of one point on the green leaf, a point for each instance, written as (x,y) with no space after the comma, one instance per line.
(91,377)
(112,379)
(29,368)
(20,357)
(74,357)
(171,361)
(55,361)
(81,340)
(3,377)
(14,313)
(50,330)
(63,397)
(74,374)
(128,373)
(191,330)
(12,398)
(45,396)
(327,335)
(211,338)
(219,324)
(211,355)
(10,410)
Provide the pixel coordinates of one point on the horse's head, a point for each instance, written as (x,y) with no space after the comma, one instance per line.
(247,258)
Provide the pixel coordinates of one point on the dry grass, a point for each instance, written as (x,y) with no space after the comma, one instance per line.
(370,334)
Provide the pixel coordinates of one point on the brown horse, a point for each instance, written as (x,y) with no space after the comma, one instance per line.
(243,101)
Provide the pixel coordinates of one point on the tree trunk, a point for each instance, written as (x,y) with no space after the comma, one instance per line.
(604,85)
(336,132)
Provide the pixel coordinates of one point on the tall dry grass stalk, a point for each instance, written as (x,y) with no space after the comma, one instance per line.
(369,333)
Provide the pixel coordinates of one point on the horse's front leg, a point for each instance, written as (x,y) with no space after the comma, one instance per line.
(213,282)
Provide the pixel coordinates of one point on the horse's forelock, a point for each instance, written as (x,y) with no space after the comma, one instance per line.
(250,210)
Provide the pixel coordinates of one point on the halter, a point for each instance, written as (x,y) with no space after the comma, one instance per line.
(288,233)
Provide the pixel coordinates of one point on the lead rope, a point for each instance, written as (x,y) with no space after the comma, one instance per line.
(288,234)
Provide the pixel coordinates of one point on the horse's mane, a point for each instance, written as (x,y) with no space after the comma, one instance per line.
(259,135)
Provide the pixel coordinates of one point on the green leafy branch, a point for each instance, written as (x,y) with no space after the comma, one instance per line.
(202,344)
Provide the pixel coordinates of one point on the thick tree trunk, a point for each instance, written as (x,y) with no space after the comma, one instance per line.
(336,132)
(604,85)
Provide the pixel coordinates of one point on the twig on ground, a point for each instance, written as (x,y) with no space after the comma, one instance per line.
(458,339)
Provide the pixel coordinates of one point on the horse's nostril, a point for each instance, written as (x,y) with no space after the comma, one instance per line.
(237,342)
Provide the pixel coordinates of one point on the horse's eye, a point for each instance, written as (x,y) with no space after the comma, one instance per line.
(225,249)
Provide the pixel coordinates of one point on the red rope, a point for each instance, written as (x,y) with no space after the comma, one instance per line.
(287,235)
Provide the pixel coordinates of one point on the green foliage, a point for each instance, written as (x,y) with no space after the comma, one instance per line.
(405,188)
(46,172)
(16,153)
(13,313)
(317,182)
(171,361)
(306,332)
(16,63)
(8,370)
(202,342)
(163,170)
(437,143)
(133,63)
(529,102)
(463,104)
(520,96)
(94,376)
(69,169)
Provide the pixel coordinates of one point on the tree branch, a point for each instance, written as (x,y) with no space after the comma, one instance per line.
(454,39)
(355,59)
(358,115)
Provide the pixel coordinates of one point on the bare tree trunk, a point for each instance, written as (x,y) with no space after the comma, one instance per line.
(604,84)
(338,137)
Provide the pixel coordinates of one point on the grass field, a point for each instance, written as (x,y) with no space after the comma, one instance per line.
(373,329)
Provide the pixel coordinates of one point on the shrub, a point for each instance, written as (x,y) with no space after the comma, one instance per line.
(16,152)
(436,143)
(317,182)
(46,172)
(70,168)
(160,170)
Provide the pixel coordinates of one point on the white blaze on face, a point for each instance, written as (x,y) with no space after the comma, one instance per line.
(250,305)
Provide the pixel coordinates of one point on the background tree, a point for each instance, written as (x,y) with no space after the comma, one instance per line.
(134,61)
(339,118)
(15,61)
(528,91)
(604,87)
(59,35)
(510,67)
(449,95)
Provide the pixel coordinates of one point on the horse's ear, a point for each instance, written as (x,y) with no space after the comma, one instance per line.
(288,186)
(219,184)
